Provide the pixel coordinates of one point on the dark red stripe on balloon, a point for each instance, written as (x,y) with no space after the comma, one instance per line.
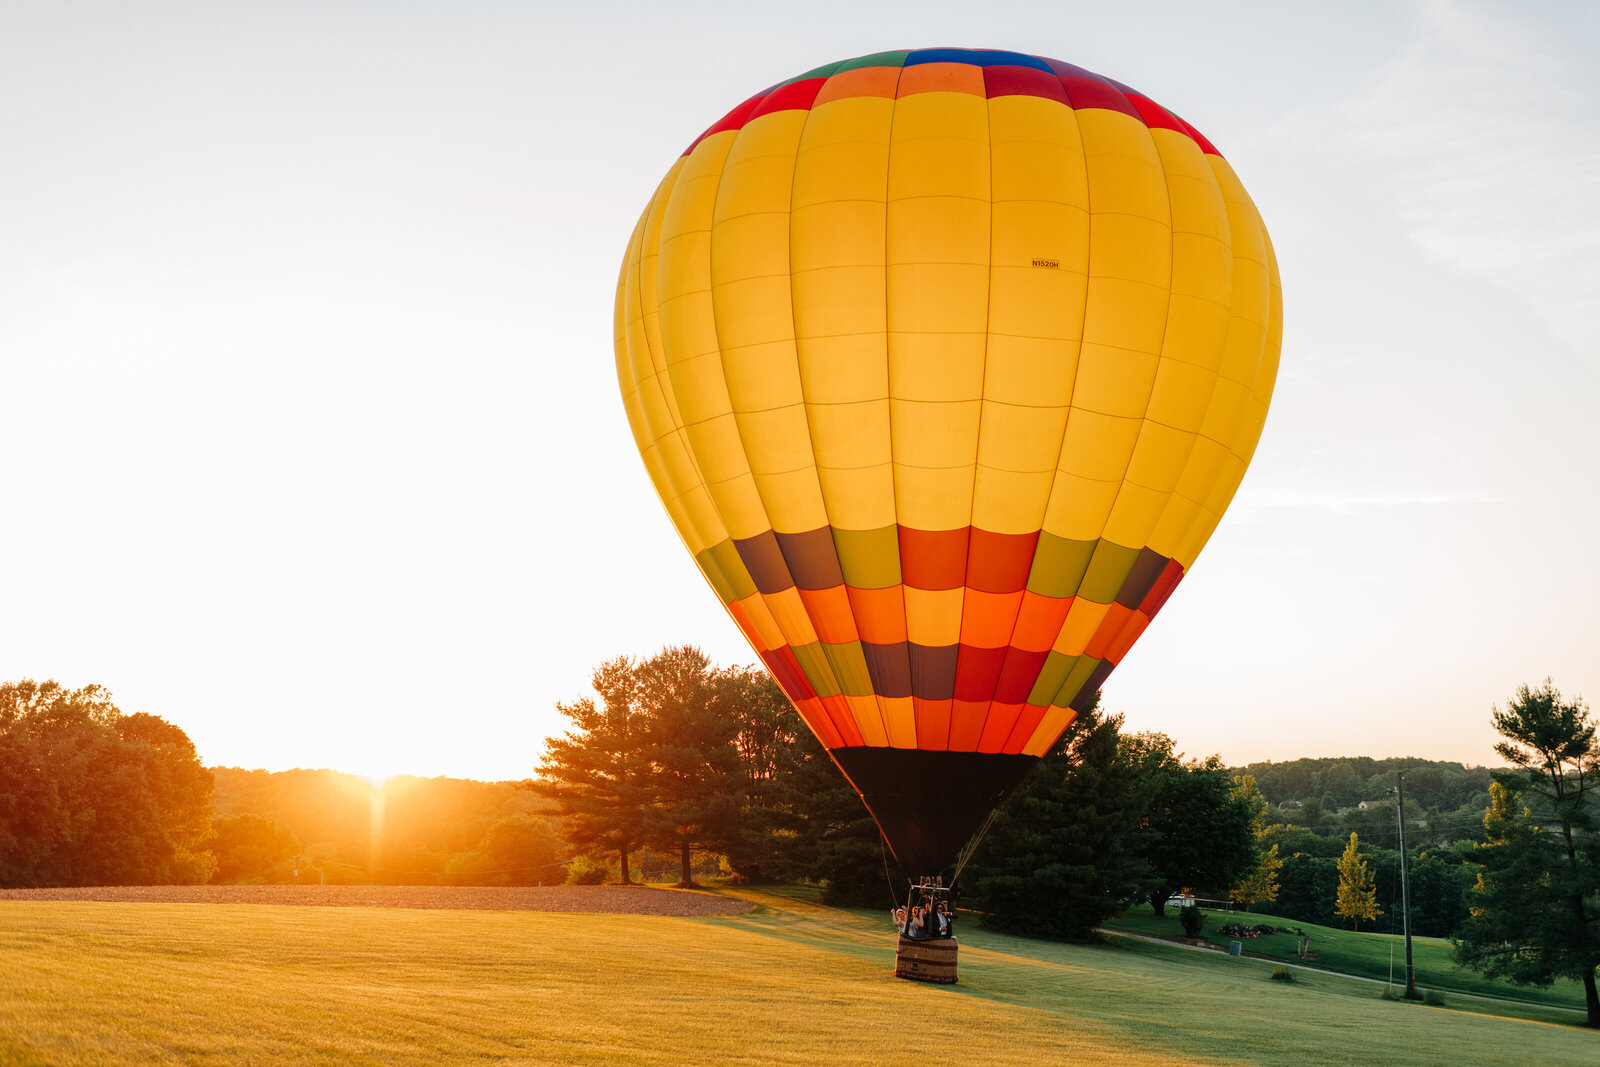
(1022,81)
(1154,115)
(764,560)
(999,563)
(796,96)
(786,669)
(933,670)
(1147,567)
(1086,89)
(978,672)
(1171,575)
(1097,678)
(1017,675)
(934,559)
(812,559)
(889,667)
(733,120)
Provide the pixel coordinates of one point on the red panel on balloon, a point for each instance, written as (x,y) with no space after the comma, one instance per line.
(934,559)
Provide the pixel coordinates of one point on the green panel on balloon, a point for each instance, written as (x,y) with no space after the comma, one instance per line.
(1080,674)
(1107,571)
(819,672)
(1057,667)
(850,667)
(726,572)
(876,59)
(1059,565)
(870,559)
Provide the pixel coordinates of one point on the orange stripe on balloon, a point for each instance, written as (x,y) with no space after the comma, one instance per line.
(1130,633)
(997,727)
(816,717)
(768,637)
(831,614)
(748,627)
(869,719)
(1049,731)
(1027,721)
(942,78)
(1039,621)
(1083,619)
(838,709)
(966,724)
(880,614)
(1116,618)
(900,717)
(987,619)
(863,81)
(790,613)
(933,722)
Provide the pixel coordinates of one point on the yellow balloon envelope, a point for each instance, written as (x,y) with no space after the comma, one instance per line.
(945,364)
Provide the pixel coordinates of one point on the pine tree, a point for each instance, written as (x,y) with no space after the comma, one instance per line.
(697,786)
(1358,896)
(598,772)
(1065,852)
(1536,912)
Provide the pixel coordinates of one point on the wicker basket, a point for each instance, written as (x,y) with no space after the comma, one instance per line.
(926,961)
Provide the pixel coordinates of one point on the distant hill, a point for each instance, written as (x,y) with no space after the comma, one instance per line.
(408,830)
(1348,780)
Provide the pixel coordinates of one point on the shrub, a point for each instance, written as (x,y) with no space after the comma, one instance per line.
(1193,919)
(1390,993)
(1282,974)
(586,871)
(1433,998)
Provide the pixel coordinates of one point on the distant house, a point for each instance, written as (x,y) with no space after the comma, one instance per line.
(1365,804)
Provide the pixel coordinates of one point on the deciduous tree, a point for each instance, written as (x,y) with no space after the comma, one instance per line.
(90,796)
(1200,832)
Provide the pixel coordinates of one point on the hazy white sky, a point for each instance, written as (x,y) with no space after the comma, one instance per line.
(310,429)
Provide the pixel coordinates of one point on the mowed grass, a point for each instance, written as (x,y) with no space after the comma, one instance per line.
(791,983)
(1358,953)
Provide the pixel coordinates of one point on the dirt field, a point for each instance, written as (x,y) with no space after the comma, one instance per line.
(608,899)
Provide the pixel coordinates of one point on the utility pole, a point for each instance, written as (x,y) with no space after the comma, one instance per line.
(1405,893)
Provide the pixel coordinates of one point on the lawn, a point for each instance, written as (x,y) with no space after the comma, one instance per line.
(1349,952)
(790,983)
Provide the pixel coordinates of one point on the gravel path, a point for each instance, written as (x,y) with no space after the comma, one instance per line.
(610,899)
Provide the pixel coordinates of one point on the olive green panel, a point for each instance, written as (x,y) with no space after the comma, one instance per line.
(1081,670)
(850,668)
(1107,571)
(1057,668)
(726,571)
(1059,565)
(818,671)
(870,559)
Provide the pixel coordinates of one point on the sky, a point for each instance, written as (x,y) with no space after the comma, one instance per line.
(310,428)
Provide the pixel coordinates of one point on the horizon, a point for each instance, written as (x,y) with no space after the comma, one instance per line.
(317,438)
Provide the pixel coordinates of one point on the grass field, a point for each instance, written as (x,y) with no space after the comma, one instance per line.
(1364,954)
(790,983)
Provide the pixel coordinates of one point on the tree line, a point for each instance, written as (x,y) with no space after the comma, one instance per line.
(711,771)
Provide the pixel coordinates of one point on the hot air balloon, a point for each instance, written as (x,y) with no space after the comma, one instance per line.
(945,364)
